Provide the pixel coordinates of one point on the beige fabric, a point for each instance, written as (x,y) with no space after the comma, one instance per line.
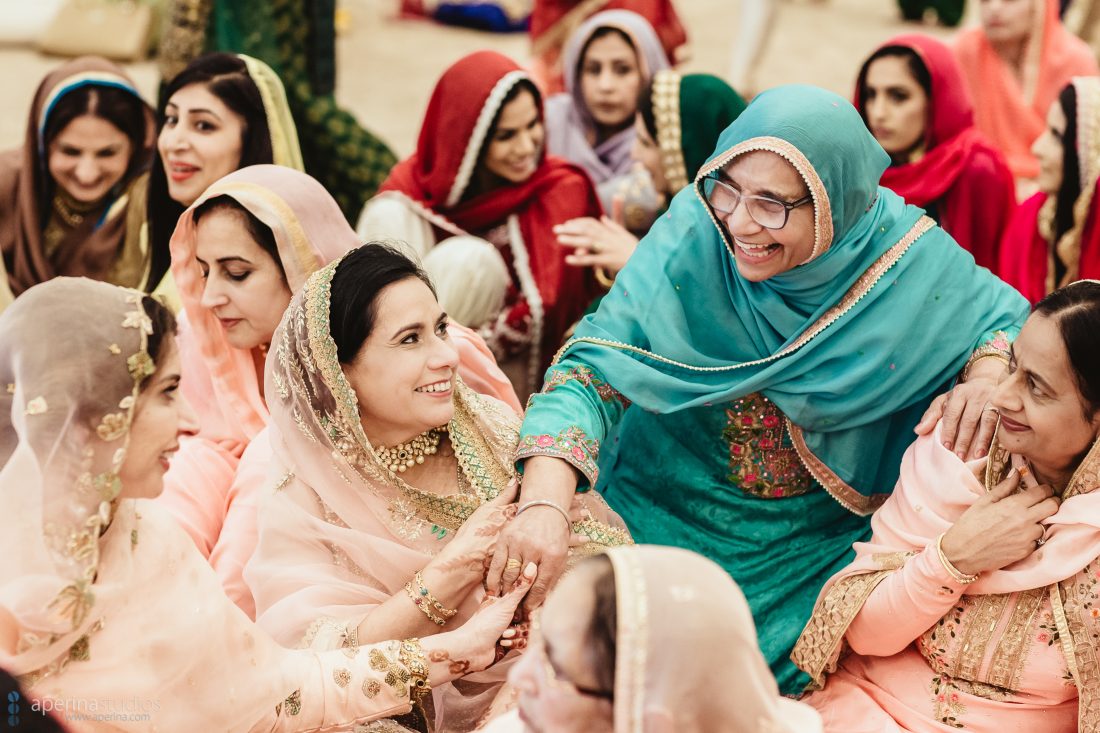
(106,602)
(471,279)
(686,653)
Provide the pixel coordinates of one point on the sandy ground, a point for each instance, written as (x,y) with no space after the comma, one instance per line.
(387,66)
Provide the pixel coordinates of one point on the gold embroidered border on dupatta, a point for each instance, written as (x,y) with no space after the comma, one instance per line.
(666,113)
(1068,247)
(483,435)
(839,489)
(821,643)
(1075,603)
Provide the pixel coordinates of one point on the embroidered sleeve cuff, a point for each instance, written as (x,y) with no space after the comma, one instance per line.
(571,445)
(588,379)
(996,347)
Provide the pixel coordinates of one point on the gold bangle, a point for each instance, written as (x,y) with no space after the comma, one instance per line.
(959,576)
(411,655)
(603,278)
(974,360)
(426,602)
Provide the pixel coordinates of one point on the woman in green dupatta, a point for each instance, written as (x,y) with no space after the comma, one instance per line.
(775,358)
(297,40)
(678,123)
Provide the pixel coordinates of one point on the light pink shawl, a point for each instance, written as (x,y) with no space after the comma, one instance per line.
(339,535)
(105,602)
(220,381)
(934,489)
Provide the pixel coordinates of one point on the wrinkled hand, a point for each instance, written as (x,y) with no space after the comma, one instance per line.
(968,418)
(599,242)
(472,547)
(474,644)
(539,535)
(1000,528)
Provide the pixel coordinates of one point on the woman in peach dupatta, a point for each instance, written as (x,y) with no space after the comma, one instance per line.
(1015,66)
(355,544)
(213,481)
(976,603)
(108,615)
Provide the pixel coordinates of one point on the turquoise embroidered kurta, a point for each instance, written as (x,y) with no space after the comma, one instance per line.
(848,348)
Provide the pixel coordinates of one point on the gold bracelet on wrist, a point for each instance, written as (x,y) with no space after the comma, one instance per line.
(603,278)
(991,353)
(957,575)
(411,655)
(426,602)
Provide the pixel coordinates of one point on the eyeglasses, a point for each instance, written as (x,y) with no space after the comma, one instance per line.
(767,212)
(538,648)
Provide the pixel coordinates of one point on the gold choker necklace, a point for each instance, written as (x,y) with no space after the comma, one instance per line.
(404,456)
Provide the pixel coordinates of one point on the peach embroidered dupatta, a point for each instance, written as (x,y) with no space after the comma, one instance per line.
(207,488)
(339,534)
(107,608)
(935,488)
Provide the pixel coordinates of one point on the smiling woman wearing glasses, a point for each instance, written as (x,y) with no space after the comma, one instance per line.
(765,356)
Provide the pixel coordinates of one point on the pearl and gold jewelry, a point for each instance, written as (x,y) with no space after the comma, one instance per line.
(404,456)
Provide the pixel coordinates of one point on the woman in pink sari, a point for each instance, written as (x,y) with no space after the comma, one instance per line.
(976,603)
(1015,64)
(1054,237)
(238,253)
(391,471)
(108,615)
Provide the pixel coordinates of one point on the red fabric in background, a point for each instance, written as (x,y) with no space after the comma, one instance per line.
(557,192)
(1025,253)
(962,175)
(548,37)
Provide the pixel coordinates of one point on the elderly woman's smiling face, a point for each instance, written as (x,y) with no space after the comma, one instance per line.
(1044,416)
(764,244)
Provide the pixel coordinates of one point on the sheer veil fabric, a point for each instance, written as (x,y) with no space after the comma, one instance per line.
(339,534)
(106,606)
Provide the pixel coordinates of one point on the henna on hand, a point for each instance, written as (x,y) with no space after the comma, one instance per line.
(456,666)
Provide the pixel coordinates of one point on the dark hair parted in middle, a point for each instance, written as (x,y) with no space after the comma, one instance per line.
(360,278)
(164,328)
(1070,190)
(604,625)
(261,233)
(120,107)
(226,77)
(916,66)
(1076,309)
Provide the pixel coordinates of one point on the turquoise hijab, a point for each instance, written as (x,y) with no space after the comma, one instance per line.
(851,345)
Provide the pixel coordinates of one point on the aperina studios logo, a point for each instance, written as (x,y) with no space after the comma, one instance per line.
(13,709)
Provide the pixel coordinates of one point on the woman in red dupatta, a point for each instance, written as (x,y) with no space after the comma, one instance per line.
(1054,237)
(553,21)
(951,170)
(1014,79)
(443,192)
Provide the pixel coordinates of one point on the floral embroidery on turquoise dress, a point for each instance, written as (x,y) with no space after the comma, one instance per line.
(588,378)
(763,461)
(571,444)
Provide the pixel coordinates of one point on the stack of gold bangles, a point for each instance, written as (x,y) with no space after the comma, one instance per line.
(426,602)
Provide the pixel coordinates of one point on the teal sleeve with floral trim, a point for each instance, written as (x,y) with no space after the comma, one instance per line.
(570,417)
(996,343)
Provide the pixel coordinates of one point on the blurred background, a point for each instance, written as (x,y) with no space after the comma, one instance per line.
(388,64)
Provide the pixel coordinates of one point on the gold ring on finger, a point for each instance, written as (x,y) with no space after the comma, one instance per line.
(512,564)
